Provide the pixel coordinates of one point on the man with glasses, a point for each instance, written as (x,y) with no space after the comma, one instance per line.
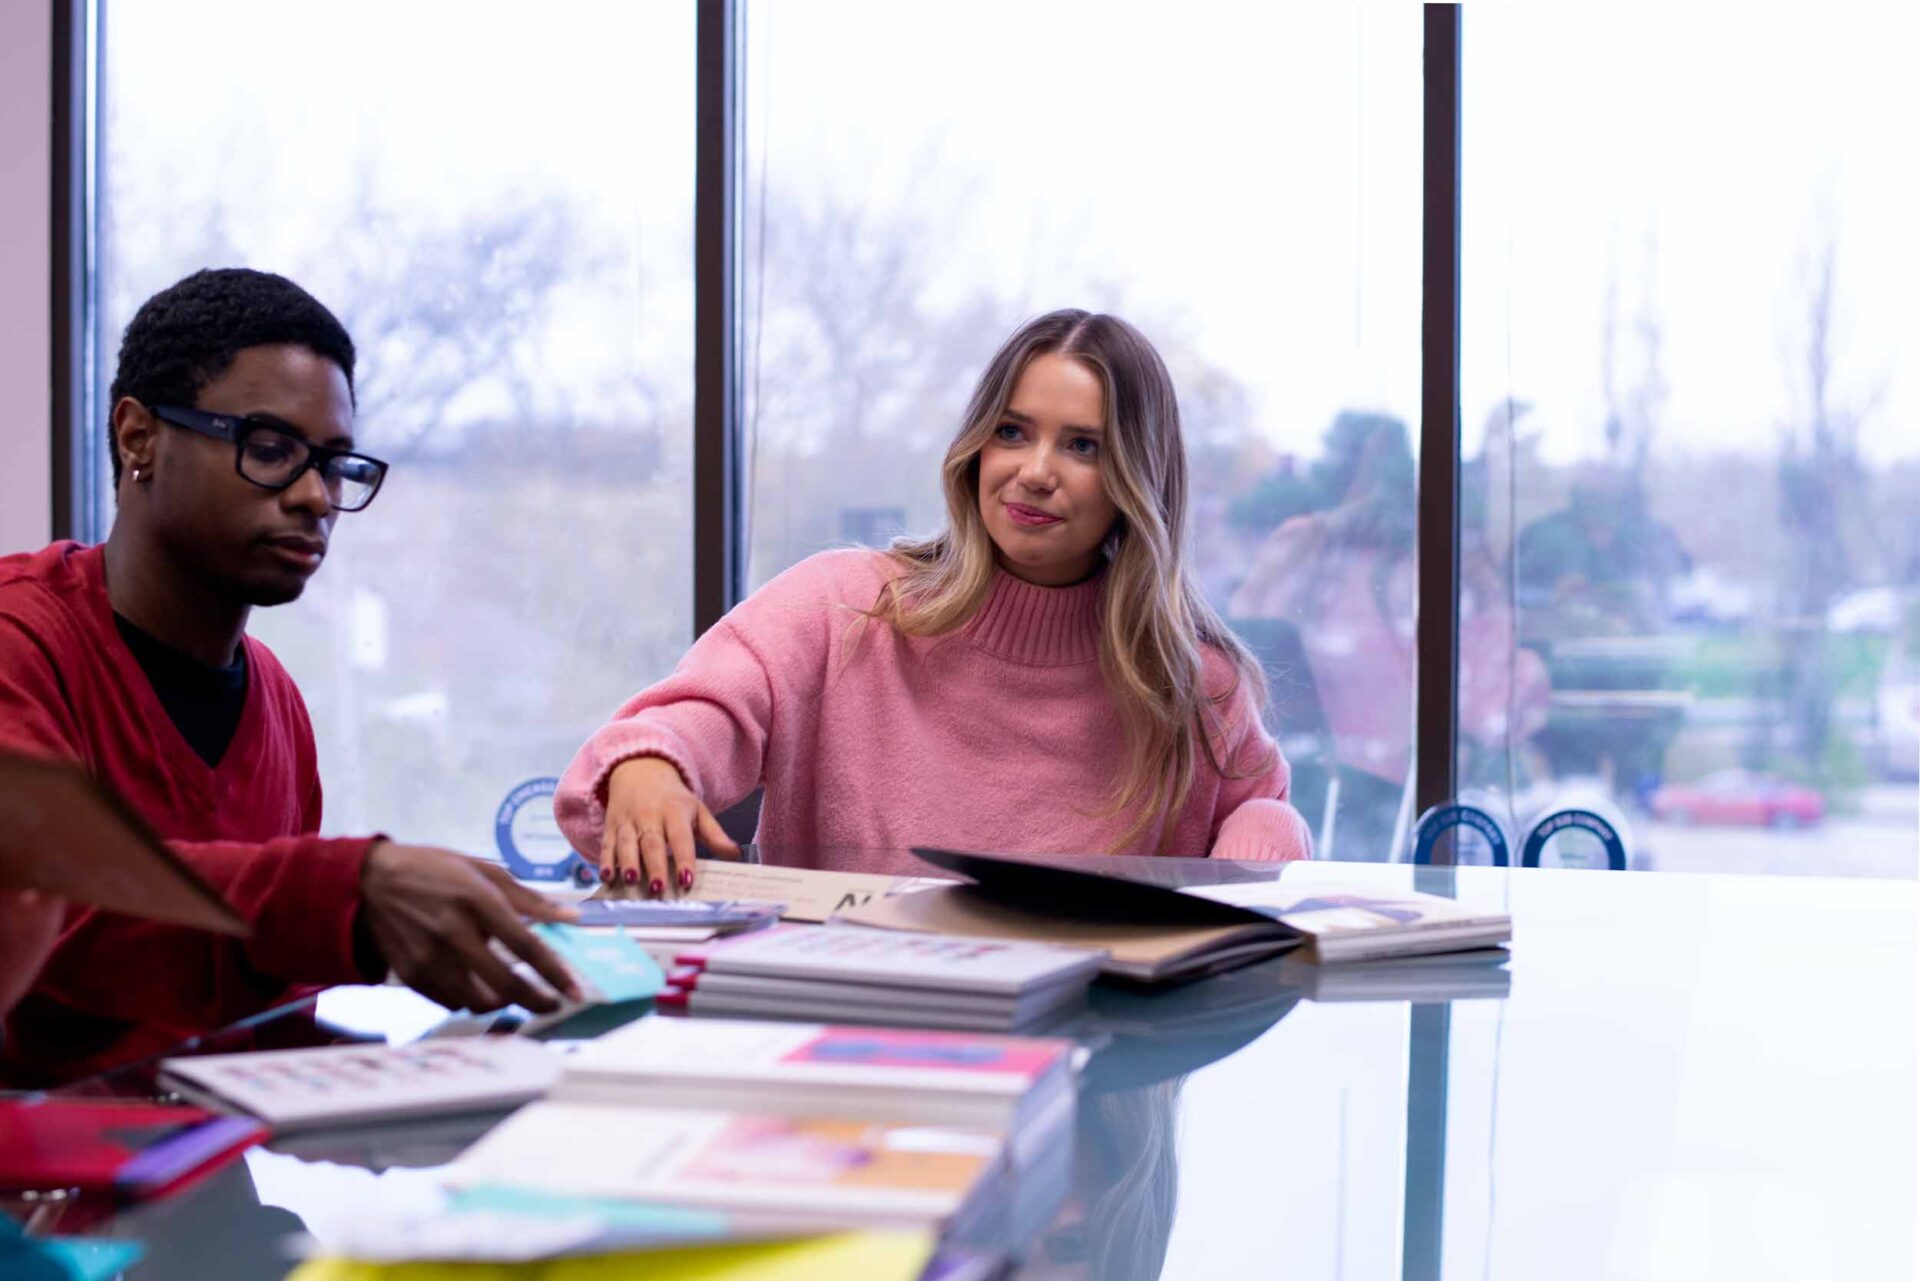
(233,457)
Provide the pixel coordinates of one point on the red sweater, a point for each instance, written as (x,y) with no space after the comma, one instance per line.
(117,987)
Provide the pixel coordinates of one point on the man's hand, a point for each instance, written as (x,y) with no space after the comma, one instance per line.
(432,913)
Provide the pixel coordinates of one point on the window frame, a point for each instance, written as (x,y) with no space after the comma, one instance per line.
(719,480)
(73,288)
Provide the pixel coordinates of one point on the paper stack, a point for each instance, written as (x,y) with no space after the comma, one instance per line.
(331,1085)
(794,1127)
(809,1173)
(870,976)
(1018,1086)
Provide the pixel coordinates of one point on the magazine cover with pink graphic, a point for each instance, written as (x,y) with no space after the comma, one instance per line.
(1028,1058)
(710,1051)
(826,1170)
(811,1151)
(989,1082)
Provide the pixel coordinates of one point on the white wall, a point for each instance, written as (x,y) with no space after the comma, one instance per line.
(26,159)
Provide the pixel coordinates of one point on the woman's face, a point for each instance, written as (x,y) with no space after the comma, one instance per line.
(1042,494)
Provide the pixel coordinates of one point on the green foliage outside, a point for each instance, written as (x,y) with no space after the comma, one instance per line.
(1741,665)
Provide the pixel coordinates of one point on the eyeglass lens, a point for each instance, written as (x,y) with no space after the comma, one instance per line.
(274,459)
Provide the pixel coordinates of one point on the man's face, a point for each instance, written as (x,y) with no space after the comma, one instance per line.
(249,544)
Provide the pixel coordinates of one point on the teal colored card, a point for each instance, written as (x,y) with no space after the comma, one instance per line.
(667,1222)
(617,968)
(65,1258)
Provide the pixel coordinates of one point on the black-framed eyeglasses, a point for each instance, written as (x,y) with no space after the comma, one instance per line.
(274,456)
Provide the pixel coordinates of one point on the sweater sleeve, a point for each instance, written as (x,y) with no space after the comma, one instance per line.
(715,716)
(299,894)
(1253,820)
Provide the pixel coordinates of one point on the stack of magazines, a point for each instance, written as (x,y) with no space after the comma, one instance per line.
(795,1127)
(829,973)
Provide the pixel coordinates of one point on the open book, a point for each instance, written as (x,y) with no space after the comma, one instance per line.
(1355,923)
(1147,933)
(1152,933)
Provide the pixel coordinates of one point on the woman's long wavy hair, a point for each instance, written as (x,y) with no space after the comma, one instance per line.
(1154,621)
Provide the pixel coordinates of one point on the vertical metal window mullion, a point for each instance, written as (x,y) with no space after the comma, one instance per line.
(68,295)
(1437,636)
(718,554)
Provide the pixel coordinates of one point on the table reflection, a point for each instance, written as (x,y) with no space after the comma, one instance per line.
(1674,1074)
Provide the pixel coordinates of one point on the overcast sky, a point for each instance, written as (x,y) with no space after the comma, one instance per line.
(1248,174)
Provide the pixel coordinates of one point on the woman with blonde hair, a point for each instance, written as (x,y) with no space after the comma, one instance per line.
(1042,677)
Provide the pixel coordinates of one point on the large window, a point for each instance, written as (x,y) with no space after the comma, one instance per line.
(1690,554)
(1241,183)
(497,201)
(1692,455)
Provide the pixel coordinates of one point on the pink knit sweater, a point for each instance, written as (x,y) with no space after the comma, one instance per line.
(1000,736)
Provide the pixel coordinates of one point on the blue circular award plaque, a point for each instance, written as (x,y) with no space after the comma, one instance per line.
(529,840)
(1444,818)
(1578,819)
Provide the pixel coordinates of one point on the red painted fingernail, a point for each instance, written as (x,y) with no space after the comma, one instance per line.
(657,887)
(686,878)
(606,875)
(633,877)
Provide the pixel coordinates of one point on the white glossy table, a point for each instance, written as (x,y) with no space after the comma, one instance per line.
(1687,1076)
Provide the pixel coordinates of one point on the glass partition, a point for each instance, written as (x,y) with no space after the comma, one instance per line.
(1692,469)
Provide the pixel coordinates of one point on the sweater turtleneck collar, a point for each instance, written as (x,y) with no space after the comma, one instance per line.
(1040,626)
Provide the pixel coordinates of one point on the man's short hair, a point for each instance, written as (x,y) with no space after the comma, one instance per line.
(187,335)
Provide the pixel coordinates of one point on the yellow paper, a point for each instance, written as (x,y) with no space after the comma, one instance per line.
(870,1256)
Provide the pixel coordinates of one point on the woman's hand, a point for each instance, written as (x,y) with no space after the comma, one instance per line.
(652,817)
